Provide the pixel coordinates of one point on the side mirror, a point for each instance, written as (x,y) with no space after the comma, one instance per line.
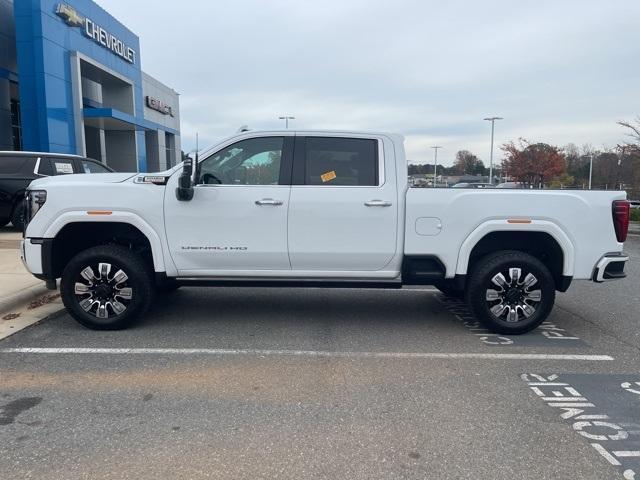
(184,192)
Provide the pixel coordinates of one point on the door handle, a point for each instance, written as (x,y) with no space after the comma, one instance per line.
(377,203)
(269,201)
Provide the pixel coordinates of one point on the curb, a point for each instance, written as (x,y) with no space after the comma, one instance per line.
(28,307)
(22,298)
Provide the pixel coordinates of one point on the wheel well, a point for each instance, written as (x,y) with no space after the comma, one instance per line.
(76,237)
(538,244)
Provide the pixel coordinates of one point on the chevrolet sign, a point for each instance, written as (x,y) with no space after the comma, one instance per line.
(95,32)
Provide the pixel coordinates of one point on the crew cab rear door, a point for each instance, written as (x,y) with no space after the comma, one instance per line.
(343,212)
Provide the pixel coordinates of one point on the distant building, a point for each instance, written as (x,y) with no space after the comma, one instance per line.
(71,82)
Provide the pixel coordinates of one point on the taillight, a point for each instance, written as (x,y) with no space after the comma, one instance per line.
(621,213)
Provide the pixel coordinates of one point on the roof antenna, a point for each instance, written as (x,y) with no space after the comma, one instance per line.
(243,128)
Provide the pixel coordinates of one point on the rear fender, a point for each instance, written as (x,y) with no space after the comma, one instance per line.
(503,225)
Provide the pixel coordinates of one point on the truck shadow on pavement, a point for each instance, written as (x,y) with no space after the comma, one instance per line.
(189,306)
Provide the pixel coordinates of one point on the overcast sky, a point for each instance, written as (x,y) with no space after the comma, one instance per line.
(558,71)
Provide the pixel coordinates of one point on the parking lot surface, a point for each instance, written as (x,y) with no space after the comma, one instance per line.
(308,383)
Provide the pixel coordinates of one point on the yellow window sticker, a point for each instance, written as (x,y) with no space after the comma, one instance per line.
(327,177)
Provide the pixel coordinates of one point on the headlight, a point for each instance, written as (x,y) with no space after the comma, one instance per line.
(35,201)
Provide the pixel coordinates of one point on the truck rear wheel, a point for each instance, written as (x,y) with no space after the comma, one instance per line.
(106,287)
(511,292)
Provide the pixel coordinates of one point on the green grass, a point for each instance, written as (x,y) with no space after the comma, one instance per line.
(635,214)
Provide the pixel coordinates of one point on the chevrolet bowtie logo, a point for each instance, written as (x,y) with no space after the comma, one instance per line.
(69,15)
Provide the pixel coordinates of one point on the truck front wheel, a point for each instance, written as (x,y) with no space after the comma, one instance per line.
(106,287)
(511,292)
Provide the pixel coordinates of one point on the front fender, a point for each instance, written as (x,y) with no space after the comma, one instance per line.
(503,225)
(115,216)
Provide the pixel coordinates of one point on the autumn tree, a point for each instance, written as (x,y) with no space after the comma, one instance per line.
(466,163)
(533,163)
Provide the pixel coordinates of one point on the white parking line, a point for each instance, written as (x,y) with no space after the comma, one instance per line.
(306,353)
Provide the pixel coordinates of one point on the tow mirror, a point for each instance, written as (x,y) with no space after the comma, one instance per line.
(184,192)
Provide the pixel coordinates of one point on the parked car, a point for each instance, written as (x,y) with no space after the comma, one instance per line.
(635,203)
(19,169)
(510,185)
(311,208)
(472,185)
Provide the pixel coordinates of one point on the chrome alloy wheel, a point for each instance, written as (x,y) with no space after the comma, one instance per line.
(514,299)
(105,294)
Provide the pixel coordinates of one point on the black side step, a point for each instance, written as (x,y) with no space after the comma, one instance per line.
(422,270)
(286,283)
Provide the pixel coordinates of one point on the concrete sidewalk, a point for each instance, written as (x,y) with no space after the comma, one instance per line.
(24,299)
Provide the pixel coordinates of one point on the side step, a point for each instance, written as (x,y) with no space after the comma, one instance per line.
(422,270)
(287,283)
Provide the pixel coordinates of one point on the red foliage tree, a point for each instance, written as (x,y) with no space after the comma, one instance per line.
(533,163)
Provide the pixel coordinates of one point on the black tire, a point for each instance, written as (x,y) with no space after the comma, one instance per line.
(449,290)
(17,217)
(110,293)
(532,303)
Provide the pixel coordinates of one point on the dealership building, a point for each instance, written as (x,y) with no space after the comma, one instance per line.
(71,82)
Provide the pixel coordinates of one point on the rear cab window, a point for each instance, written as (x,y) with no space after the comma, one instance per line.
(337,161)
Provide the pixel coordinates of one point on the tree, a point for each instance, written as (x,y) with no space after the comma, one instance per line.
(633,132)
(533,163)
(466,163)
(630,158)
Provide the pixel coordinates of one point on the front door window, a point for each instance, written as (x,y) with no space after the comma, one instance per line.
(255,161)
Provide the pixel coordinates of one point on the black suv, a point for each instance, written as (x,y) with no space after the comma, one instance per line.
(19,169)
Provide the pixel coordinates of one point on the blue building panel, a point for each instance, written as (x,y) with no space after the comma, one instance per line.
(45,43)
(80,86)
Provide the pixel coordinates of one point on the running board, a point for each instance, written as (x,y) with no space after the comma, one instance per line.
(286,282)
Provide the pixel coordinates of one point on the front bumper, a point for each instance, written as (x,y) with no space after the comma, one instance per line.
(610,267)
(31,255)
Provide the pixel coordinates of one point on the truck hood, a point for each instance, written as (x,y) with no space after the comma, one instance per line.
(84,178)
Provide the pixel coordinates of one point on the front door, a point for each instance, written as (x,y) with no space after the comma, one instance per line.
(236,223)
(343,214)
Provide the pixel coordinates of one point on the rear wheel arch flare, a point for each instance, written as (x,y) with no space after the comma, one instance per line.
(541,245)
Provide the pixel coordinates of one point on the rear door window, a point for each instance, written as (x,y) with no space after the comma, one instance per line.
(12,165)
(332,161)
(61,166)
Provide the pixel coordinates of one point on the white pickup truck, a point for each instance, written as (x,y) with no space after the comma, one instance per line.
(321,209)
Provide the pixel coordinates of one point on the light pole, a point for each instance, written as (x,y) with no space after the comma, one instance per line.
(590,169)
(435,164)
(286,119)
(493,123)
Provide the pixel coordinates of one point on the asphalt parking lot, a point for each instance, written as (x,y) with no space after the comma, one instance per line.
(265,383)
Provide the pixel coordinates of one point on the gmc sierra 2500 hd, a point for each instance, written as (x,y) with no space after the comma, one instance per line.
(322,209)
